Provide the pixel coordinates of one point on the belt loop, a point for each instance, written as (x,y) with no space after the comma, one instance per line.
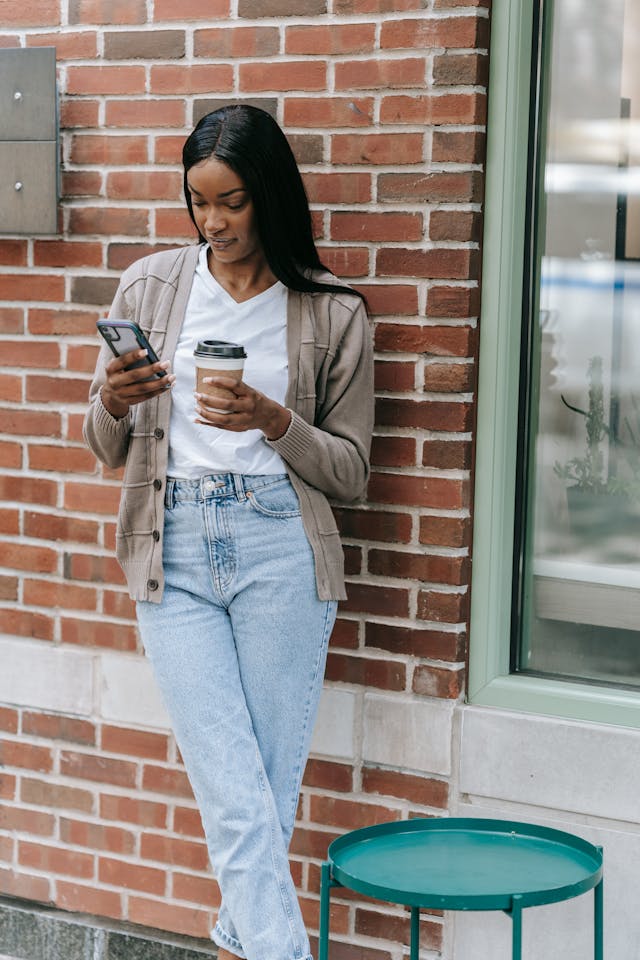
(169,492)
(238,483)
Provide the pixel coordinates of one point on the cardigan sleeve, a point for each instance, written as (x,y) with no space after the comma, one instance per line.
(333,454)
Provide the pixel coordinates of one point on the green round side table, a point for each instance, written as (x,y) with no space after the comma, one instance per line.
(463,864)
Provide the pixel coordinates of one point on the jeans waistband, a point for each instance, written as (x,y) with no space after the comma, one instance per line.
(213,485)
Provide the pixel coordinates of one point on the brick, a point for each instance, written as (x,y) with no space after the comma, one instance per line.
(55,859)
(311,843)
(328,112)
(62,253)
(7,787)
(145,813)
(52,594)
(345,633)
(122,255)
(185,853)
(22,820)
(447,32)
(59,389)
(107,11)
(21,353)
(47,794)
(388,451)
(76,45)
(395,375)
(382,148)
(39,13)
(338,187)
(379,74)
(173,223)
(446,108)
(377,599)
(346,261)
(135,743)
(416,642)
(447,454)
(143,114)
(143,185)
(62,459)
(173,79)
(10,456)
(107,221)
(449,378)
(424,414)
(190,9)
(443,607)
(186,886)
(281,8)
(450,187)
(85,566)
(438,263)
(11,320)
(439,492)
(466,146)
(89,633)
(334,39)
(14,883)
(86,899)
(371,923)
(47,526)
(190,921)
(187,822)
(82,358)
(442,341)
(81,183)
(95,290)
(13,253)
(376,6)
(374,525)
(349,814)
(118,604)
(31,286)
(469,69)
(26,623)
(79,113)
(62,322)
(232,42)
(98,769)
(23,556)
(374,227)
(445,531)
(429,681)
(96,836)
(56,727)
(101,80)
(143,44)
(132,876)
(383,674)
(307,148)
(94,498)
(8,720)
(419,566)
(392,298)
(167,781)
(103,150)
(328,775)
(460,225)
(292,75)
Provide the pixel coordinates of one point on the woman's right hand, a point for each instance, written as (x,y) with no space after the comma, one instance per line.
(125,388)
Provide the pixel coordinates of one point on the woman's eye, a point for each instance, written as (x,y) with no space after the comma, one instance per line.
(235,206)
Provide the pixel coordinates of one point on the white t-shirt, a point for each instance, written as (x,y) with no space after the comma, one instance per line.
(260,326)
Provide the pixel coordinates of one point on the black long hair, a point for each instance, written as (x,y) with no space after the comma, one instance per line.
(252,144)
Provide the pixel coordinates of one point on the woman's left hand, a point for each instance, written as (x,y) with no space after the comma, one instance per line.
(244,409)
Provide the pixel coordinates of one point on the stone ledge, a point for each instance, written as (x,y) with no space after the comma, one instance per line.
(30,931)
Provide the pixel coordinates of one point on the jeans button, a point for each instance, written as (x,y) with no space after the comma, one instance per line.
(209,486)
(152,584)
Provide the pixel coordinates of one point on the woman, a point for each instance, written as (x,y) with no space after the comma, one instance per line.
(225,533)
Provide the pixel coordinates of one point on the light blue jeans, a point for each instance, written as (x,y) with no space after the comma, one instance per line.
(238,645)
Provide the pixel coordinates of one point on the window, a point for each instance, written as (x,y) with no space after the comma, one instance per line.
(556,589)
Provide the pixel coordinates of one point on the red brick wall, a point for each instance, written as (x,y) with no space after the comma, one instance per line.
(384,102)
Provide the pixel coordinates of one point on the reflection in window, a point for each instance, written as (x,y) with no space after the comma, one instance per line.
(577,604)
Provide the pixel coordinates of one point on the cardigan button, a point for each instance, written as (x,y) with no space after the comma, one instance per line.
(152,584)
(157,484)
(156,535)
(158,433)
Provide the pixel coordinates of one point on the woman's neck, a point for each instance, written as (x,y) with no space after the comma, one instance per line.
(244,279)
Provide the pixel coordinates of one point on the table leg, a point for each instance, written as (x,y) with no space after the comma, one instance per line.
(415,933)
(325,893)
(516,921)
(598,923)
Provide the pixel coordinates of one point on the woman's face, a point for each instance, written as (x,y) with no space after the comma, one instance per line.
(223,211)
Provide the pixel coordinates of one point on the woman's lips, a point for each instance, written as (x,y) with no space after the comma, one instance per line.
(220,241)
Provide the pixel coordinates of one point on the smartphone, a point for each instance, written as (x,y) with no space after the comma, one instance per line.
(124,336)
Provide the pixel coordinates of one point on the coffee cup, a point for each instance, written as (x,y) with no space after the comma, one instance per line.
(218,358)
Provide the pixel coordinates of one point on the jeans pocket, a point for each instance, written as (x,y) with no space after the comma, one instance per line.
(278,500)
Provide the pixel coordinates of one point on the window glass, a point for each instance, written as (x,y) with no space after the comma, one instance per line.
(577,584)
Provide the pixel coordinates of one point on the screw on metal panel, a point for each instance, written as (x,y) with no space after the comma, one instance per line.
(17,95)
(18,185)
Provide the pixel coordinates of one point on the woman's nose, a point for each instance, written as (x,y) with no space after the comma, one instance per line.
(215,221)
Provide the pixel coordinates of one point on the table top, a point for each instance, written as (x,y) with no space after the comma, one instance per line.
(465,864)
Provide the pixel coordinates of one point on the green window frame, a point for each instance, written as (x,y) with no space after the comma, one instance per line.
(504,248)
